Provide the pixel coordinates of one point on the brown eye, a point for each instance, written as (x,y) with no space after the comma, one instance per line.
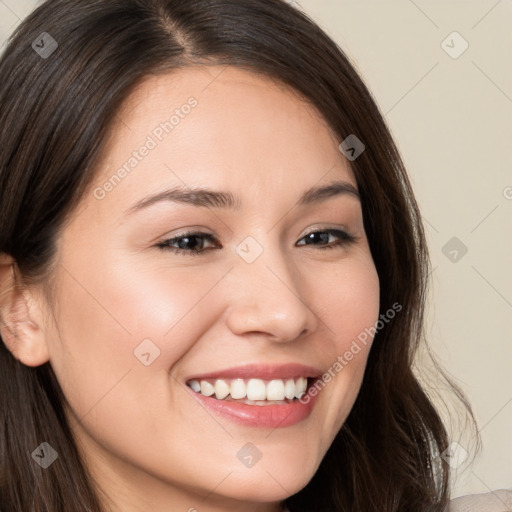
(192,243)
(322,237)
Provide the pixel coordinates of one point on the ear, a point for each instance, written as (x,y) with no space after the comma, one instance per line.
(21,326)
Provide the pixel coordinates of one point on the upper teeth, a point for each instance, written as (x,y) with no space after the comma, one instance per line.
(252,389)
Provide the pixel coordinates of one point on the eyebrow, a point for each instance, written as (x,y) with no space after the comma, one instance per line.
(203,197)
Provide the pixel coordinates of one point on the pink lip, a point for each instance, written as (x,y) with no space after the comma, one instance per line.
(265,416)
(261,371)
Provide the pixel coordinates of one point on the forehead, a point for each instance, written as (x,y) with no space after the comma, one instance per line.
(217,126)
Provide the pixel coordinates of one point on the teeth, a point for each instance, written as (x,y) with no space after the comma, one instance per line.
(222,389)
(206,388)
(252,389)
(256,390)
(289,389)
(194,384)
(301,386)
(275,390)
(238,389)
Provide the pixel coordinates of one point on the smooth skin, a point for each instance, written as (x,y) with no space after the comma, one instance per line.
(148,442)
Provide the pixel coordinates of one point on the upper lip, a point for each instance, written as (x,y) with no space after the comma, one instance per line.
(261,371)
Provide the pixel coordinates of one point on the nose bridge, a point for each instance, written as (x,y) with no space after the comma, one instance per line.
(266,294)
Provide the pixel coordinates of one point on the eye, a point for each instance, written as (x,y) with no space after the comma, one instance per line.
(323,237)
(193,243)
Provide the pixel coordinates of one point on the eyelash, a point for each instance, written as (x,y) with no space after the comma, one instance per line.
(345,239)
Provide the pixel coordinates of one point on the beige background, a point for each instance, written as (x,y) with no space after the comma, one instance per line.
(452,120)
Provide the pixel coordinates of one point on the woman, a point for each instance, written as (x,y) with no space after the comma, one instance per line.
(213,269)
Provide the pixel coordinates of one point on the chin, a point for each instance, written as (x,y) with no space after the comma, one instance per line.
(265,488)
(270,481)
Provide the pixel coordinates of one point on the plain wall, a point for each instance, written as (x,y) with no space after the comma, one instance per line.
(452,121)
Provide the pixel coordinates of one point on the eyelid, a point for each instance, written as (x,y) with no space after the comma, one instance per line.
(322,229)
(201,234)
(343,234)
(205,234)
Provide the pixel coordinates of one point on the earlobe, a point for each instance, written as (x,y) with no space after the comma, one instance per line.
(20,327)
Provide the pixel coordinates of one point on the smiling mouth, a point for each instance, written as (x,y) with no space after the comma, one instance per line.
(253,391)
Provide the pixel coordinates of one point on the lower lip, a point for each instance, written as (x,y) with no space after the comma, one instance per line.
(266,416)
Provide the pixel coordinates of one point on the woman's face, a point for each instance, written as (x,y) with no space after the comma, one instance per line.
(136,324)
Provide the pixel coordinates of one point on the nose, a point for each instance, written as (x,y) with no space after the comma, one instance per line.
(269,297)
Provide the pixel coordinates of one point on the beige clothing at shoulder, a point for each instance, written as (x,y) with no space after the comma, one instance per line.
(495,501)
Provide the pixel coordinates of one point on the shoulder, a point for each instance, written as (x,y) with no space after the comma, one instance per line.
(494,501)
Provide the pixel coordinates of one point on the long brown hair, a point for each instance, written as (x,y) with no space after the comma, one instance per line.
(55,113)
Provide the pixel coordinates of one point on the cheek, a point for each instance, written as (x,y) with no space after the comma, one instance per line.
(107,316)
(351,297)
